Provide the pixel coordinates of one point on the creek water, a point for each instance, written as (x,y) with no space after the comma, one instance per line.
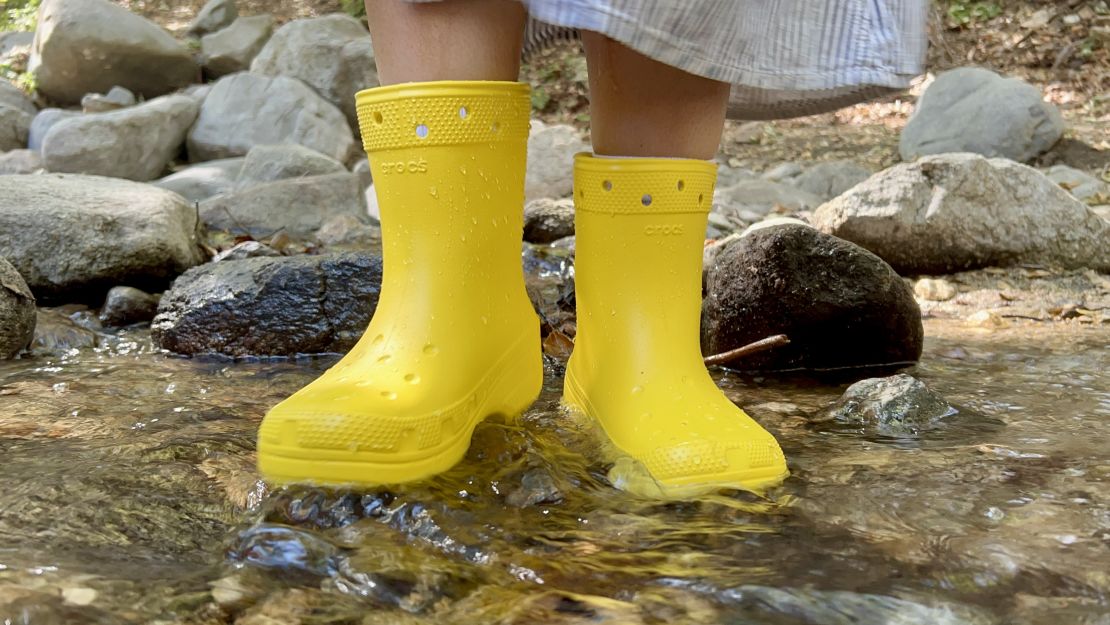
(128,495)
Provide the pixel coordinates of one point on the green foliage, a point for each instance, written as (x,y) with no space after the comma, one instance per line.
(18,14)
(354,8)
(962,13)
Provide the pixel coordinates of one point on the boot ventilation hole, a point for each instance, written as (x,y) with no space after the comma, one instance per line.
(463,112)
(681,185)
(607,185)
(646,199)
(422,131)
(378,117)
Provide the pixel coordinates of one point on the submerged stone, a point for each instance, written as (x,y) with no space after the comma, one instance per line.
(896,406)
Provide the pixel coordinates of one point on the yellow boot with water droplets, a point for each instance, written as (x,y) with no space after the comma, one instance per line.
(637,366)
(454,338)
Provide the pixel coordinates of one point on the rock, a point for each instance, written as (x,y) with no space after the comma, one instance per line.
(547,220)
(298,206)
(20,162)
(17,311)
(232,49)
(213,16)
(985,319)
(245,109)
(840,305)
(15,42)
(551,151)
(971,109)
(1080,184)
(43,122)
(536,487)
(56,334)
(116,98)
(270,306)
(934,290)
(332,54)
(751,200)
(961,211)
(728,176)
(16,114)
(246,249)
(267,163)
(767,604)
(203,180)
(135,143)
(348,230)
(125,305)
(828,180)
(898,406)
(783,172)
(771,222)
(362,168)
(89,46)
(73,237)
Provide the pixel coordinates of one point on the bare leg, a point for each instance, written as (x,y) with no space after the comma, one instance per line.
(641,107)
(457,40)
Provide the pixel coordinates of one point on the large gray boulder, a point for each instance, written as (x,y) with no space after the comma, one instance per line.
(17,311)
(116,98)
(134,143)
(213,16)
(332,54)
(233,48)
(1083,186)
(247,109)
(280,306)
(203,180)
(299,206)
(830,179)
(748,201)
(90,46)
(73,237)
(16,114)
(954,212)
(43,122)
(551,150)
(267,163)
(841,306)
(975,110)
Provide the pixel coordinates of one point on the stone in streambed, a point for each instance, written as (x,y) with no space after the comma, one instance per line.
(298,206)
(16,115)
(125,305)
(203,180)
(43,122)
(551,150)
(17,311)
(73,237)
(215,15)
(116,98)
(840,305)
(20,162)
(267,163)
(548,220)
(90,46)
(899,405)
(270,306)
(954,212)
(233,48)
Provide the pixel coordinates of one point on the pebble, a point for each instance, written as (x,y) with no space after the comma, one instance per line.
(934,290)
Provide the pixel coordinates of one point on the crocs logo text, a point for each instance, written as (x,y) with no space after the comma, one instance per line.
(665,229)
(402,167)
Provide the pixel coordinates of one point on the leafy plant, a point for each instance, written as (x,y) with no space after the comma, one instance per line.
(18,14)
(354,8)
(962,13)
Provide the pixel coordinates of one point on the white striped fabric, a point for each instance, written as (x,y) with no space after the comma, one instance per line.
(784,58)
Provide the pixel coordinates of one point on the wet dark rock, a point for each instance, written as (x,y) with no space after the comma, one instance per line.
(73,237)
(536,487)
(126,305)
(56,333)
(298,206)
(972,109)
(953,212)
(17,311)
(246,249)
(270,306)
(547,220)
(89,46)
(286,548)
(900,405)
(840,305)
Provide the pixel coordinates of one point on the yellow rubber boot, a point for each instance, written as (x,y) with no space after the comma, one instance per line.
(454,338)
(637,367)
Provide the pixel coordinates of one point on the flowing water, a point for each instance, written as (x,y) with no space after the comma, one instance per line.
(129,495)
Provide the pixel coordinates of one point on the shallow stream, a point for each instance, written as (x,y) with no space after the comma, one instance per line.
(129,495)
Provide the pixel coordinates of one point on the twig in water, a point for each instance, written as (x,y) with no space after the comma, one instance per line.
(761,345)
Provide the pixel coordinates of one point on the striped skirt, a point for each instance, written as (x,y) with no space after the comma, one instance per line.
(783,58)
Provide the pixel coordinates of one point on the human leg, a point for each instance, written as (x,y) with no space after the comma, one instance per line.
(640,229)
(454,337)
